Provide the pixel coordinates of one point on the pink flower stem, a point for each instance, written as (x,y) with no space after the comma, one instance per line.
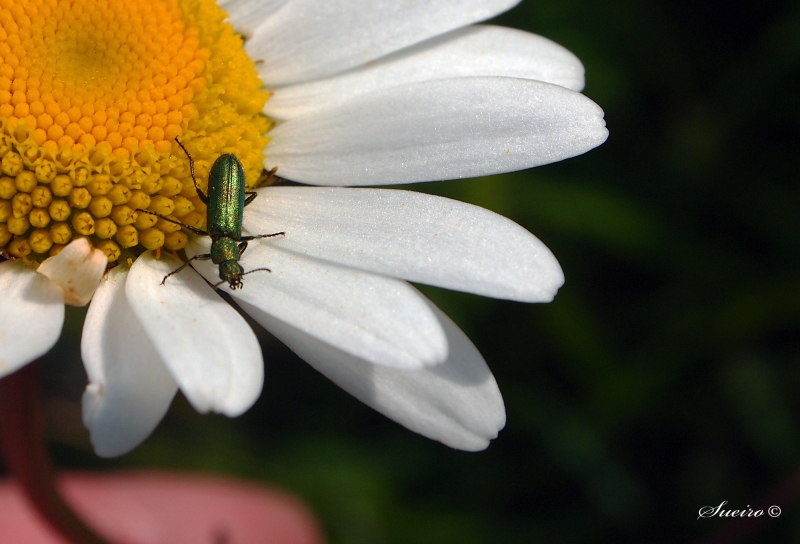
(26,456)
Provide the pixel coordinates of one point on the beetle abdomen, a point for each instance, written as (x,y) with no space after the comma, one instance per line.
(226,186)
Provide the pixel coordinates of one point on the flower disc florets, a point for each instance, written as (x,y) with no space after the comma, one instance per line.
(93,94)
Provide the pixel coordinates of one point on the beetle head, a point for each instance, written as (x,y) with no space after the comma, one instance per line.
(231,272)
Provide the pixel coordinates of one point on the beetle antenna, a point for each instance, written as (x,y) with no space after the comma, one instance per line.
(191,160)
(257,270)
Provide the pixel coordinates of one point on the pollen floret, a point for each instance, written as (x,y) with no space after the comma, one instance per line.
(92,96)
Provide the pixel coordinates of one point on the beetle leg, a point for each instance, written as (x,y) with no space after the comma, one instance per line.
(165,218)
(244,239)
(268,177)
(201,257)
(200,193)
(255,237)
(251,196)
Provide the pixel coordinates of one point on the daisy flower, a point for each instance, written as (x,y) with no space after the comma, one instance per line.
(94,93)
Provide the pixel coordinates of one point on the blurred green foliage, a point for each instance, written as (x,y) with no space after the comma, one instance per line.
(660,380)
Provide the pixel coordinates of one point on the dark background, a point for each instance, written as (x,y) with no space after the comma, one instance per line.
(661,379)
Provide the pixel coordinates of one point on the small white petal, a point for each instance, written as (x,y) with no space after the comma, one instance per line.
(382,320)
(246,15)
(310,39)
(457,402)
(210,349)
(434,130)
(130,388)
(418,237)
(77,269)
(31,315)
(472,51)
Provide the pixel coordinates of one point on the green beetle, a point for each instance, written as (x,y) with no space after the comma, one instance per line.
(226,200)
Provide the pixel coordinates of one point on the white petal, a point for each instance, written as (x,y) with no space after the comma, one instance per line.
(246,15)
(31,315)
(129,388)
(446,129)
(210,349)
(77,269)
(382,320)
(472,51)
(418,237)
(310,39)
(457,403)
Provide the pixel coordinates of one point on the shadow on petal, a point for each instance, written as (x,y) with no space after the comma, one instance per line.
(456,402)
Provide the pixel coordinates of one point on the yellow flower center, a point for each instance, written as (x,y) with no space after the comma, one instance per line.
(93,94)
